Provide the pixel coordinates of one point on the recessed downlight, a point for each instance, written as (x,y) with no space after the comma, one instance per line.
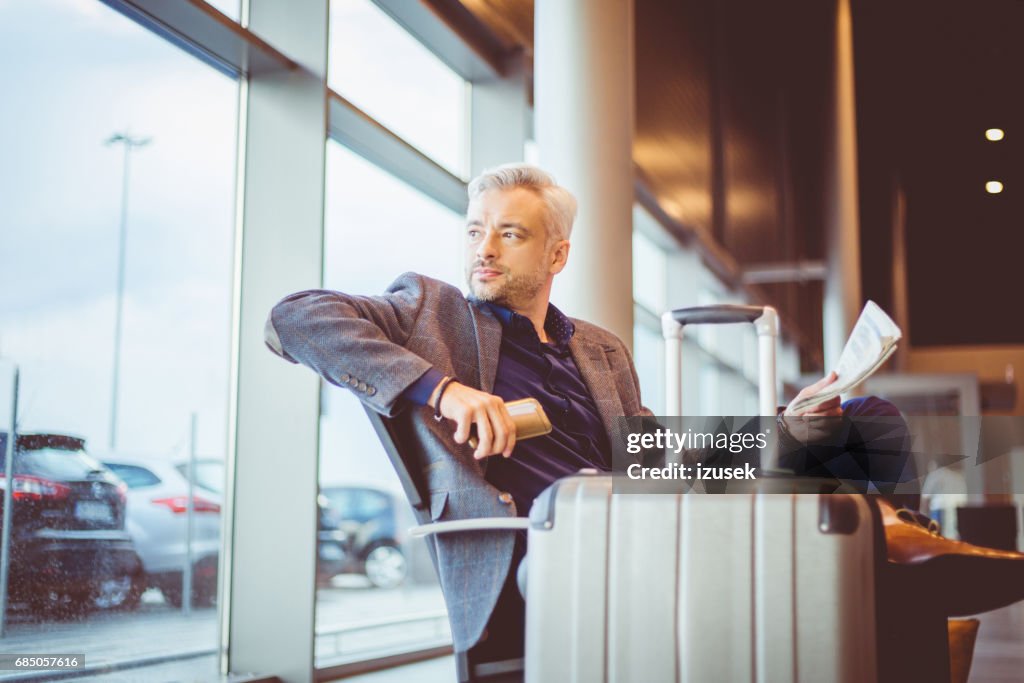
(994,134)
(993,187)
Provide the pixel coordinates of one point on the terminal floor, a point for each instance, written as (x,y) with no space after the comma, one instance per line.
(998,655)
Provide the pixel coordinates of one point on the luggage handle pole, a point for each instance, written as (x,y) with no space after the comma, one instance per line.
(767,327)
(765,320)
(766,323)
(672,331)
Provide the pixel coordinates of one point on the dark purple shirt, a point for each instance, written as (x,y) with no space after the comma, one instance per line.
(529,368)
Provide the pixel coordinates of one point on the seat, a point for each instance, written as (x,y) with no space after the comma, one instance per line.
(404,454)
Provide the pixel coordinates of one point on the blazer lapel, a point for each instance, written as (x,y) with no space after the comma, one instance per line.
(592,360)
(488,344)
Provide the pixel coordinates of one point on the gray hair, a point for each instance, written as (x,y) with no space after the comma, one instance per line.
(559,202)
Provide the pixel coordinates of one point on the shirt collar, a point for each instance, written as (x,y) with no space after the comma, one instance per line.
(558,326)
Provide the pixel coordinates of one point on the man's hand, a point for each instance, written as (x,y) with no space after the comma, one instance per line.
(807,431)
(494,427)
(830,408)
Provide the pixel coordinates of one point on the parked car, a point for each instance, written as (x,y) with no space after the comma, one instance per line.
(157,499)
(158,523)
(368,517)
(69,547)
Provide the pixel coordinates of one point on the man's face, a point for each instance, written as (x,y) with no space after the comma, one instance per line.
(508,258)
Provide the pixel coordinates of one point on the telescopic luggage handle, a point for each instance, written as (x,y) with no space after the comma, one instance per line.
(766,323)
(718,314)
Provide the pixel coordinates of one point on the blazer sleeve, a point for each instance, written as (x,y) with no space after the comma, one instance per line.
(354,342)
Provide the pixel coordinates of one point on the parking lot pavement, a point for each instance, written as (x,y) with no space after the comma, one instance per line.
(348,620)
(153,631)
(360,622)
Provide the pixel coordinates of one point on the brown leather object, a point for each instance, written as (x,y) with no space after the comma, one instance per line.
(964,578)
(962,635)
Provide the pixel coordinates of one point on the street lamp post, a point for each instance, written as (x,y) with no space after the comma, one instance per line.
(129,143)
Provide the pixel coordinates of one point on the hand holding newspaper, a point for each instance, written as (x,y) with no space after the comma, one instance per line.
(870,344)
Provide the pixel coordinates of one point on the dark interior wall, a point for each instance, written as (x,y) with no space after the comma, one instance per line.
(734,118)
(674,105)
(751,112)
(877,180)
(774,65)
(732,100)
(932,76)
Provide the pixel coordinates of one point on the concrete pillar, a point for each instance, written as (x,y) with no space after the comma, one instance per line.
(269,560)
(583,108)
(842,296)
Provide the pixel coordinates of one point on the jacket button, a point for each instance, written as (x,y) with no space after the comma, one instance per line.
(505,497)
(371,391)
(344,377)
(353,382)
(362,386)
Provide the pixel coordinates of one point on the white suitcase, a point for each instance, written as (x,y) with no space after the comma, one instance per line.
(761,587)
(699,588)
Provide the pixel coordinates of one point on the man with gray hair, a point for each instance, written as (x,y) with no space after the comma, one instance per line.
(422,351)
(442,365)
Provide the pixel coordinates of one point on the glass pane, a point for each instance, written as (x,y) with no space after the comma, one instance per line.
(92,100)
(381,595)
(209,475)
(649,274)
(710,388)
(650,263)
(649,357)
(230,8)
(382,69)
(134,477)
(378,228)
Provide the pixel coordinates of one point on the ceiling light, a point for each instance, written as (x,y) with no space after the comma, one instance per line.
(993,187)
(994,134)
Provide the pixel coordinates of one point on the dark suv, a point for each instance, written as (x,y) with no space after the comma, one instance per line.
(368,519)
(69,548)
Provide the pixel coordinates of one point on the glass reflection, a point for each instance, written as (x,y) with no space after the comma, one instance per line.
(382,69)
(384,597)
(80,74)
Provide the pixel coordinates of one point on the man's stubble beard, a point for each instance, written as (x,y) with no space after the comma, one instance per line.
(515,292)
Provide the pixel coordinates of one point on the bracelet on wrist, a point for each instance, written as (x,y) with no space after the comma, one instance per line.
(440,392)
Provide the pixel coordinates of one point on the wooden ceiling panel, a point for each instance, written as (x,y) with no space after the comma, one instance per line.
(673,107)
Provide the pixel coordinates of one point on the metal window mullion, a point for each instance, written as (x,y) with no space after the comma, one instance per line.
(269,590)
(355,129)
(205,33)
(452,33)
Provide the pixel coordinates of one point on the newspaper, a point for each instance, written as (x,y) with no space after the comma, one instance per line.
(870,344)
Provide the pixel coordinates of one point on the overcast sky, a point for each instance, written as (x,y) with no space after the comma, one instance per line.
(85,72)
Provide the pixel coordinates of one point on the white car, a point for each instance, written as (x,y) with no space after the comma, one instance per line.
(156,518)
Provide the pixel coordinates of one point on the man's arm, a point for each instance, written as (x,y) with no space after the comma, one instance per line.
(358,342)
(355,342)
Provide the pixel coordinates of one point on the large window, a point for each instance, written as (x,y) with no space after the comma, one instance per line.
(387,73)
(649,296)
(118,148)
(719,362)
(385,597)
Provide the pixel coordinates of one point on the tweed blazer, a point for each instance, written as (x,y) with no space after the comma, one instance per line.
(377,346)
